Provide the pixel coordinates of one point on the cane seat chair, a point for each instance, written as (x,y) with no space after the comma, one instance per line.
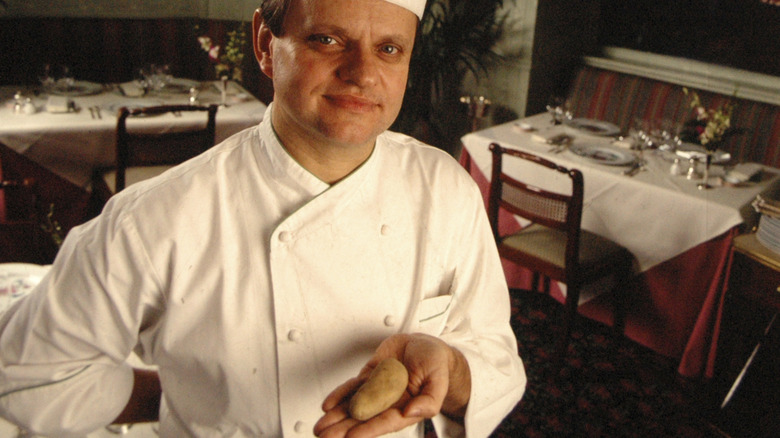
(141,154)
(553,245)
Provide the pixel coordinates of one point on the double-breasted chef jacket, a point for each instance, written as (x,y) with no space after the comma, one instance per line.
(255,289)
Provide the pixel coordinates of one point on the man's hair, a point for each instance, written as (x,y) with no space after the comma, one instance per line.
(273,12)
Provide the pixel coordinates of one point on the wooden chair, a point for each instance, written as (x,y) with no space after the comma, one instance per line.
(141,155)
(553,245)
(21,237)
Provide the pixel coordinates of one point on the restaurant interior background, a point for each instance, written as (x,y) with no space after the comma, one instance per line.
(541,44)
(724,46)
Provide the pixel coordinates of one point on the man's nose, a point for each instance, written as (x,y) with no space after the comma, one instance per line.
(360,67)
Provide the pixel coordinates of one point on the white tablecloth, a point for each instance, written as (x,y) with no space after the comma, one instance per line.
(72,144)
(654,214)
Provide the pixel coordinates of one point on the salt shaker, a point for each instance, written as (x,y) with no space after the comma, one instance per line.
(692,174)
(675,169)
(193,96)
(18,102)
(29,107)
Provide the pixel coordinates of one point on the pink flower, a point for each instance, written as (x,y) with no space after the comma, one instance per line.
(214,53)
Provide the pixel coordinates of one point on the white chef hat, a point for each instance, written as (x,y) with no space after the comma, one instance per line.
(416,6)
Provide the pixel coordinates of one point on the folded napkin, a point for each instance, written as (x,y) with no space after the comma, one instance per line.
(59,104)
(131,89)
(625,143)
(552,136)
(743,172)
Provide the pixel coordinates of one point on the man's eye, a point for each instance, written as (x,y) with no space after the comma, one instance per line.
(323,39)
(390,50)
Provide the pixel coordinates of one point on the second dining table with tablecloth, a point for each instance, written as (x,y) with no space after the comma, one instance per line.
(72,141)
(679,234)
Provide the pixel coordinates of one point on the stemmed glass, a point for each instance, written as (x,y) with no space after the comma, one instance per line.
(63,77)
(46,79)
(557,106)
(640,138)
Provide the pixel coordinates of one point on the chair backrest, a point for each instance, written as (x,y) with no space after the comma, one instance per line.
(558,210)
(138,149)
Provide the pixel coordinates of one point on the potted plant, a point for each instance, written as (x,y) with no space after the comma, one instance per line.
(456,36)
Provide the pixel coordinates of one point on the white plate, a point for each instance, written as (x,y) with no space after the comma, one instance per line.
(17,279)
(179,86)
(594,127)
(692,150)
(603,154)
(79,88)
(113,107)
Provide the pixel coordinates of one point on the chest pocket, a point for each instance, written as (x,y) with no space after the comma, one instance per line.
(432,314)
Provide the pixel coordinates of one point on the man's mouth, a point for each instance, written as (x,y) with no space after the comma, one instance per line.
(352,103)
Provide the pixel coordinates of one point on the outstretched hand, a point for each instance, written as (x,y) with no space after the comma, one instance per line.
(439,381)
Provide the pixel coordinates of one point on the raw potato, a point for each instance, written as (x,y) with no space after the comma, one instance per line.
(385,386)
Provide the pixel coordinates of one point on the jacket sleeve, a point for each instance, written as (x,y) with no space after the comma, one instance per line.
(63,348)
(478,325)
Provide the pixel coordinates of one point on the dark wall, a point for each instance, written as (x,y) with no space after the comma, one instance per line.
(111,50)
(564,32)
(738,33)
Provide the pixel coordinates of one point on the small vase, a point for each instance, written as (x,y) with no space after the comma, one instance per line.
(705,180)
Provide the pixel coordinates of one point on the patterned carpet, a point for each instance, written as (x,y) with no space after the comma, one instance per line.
(606,387)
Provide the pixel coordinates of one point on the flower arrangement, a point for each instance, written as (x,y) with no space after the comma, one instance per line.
(711,126)
(227,61)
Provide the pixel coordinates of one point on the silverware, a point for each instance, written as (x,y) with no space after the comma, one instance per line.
(635,168)
(97,111)
(92,112)
(560,143)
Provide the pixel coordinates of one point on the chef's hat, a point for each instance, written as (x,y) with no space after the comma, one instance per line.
(416,6)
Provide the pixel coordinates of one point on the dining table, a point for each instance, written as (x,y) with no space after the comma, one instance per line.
(678,230)
(72,130)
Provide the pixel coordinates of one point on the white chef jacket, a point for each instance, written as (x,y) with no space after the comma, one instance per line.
(256,289)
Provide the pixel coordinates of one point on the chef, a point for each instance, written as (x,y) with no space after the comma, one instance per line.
(265,278)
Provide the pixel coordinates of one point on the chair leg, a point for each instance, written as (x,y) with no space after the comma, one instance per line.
(625,285)
(570,316)
(535,282)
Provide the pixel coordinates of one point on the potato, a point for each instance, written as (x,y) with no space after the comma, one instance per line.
(385,386)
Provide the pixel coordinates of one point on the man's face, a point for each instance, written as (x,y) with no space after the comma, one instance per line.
(339,70)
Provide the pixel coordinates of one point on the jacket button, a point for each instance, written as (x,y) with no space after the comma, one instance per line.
(385,230)
(389,320)
(285,236)
(294,335)
(298,428)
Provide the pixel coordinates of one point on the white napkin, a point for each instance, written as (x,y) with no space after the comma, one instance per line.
(743,172)
(547,136)
(59,104)
(131,89)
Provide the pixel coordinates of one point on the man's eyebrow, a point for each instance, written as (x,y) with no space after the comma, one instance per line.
(397,38)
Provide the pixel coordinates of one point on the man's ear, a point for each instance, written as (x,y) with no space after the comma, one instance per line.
(261,37)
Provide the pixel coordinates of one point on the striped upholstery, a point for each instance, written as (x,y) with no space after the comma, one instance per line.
(619,98)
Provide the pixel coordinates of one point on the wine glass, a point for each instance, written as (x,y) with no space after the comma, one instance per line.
(46,79)
(63,78)
(557,106)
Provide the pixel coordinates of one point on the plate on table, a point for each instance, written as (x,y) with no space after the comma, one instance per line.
(17,279)
(113,107)
(179,86)
(594,127)
(79,88)
(692,150)
(603,154)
